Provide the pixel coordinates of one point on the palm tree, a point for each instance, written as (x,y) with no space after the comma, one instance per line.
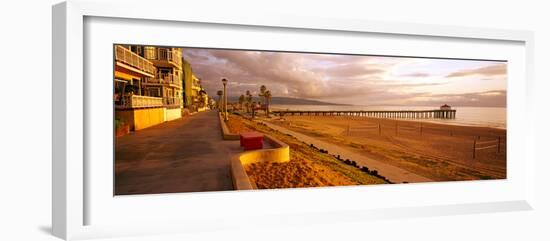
(267,96)
(263,89)
(248,101)
(262,92)
(219,93)
(241,101)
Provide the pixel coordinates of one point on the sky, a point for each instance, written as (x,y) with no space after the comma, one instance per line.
(352,79)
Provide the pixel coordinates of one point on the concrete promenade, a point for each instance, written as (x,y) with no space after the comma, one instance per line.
(184,155)
(393,173)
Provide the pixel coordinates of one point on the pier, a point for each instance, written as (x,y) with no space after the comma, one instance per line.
(389,114)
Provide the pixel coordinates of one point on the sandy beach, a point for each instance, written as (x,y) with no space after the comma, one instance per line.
(436,151)
(308,167)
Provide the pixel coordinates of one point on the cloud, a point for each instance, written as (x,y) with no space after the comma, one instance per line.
(350,70)
(346,79)
(492,98)
(412,85)
(491,70)
(416,75)
(286,74)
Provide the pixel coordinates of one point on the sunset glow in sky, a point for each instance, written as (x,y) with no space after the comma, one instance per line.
(358,80)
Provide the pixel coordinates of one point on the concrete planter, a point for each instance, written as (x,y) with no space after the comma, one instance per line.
(226,133)
(241,181)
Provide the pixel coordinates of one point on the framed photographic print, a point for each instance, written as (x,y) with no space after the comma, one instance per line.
(168,123)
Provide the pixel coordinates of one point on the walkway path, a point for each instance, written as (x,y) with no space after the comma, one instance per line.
(393,173)
(184,155)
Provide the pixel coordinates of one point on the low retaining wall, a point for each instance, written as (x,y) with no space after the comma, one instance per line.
(141,118)
(172,114)
(227,135)
(146,117)
(241,181)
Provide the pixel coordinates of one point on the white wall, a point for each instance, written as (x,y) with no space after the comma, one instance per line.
(25,152)
(172,114)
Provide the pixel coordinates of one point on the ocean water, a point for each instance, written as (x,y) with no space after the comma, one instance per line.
(469,116)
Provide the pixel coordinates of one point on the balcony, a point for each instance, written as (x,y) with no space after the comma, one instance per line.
(138,101)
(130,61)
(163,79)
(163,57)
(172,102)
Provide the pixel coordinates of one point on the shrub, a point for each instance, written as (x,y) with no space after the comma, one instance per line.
(365,169)
(118,123)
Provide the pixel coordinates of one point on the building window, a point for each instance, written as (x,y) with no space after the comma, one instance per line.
(137,49)
(154,92)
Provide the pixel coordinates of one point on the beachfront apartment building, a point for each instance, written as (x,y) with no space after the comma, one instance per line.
(132,107)
(153,85)
(168,81)
(199,95)
(195,97)
(130,69)
(148,83)
(203,101)
(195,91)
(187,84)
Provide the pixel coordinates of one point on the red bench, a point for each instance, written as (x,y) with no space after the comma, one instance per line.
(252,140)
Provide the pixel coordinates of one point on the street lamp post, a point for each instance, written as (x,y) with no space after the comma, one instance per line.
(224,81)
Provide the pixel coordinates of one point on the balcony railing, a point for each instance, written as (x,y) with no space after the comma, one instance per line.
(163,54)
(128,57)
(163,78)
(139,101)
(172,101)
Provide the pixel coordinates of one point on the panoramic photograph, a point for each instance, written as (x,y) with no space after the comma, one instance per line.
(192,119)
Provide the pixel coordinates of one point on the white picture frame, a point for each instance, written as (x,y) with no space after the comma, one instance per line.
(71,190)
